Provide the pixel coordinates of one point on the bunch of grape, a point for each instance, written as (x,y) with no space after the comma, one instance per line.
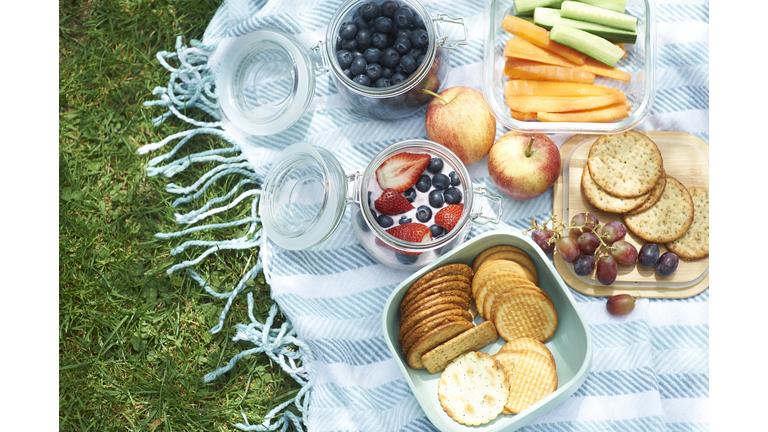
(580,245)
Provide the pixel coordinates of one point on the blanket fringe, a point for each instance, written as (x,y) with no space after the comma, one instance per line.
(191,85)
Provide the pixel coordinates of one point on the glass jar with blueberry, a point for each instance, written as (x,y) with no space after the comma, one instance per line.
(306,193)
(382,54)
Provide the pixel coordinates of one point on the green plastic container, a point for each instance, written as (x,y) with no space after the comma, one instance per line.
(571,344)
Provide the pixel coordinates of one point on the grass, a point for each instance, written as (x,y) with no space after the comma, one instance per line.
(134,341)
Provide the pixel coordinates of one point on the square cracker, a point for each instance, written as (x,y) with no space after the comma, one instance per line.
(473,339)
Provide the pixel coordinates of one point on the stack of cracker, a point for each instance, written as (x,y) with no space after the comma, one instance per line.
(435,322)
(624,174)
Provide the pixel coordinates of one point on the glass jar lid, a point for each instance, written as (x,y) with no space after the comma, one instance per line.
(266,82)
(304,197)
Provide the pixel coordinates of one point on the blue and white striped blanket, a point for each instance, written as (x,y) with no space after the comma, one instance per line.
(650,369)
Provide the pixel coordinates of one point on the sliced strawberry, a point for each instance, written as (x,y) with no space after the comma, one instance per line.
(402,170)
(449,216)
(392,203)
(411,232)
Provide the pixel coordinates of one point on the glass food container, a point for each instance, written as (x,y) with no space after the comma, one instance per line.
(266,81)
(307,192)
(640,62)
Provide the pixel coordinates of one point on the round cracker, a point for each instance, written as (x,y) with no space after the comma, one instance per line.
(461,302)
(430,289)
(604,201)
(473,388)
(529,344)
(521,313)
(417,317)
(484,254)
(492,295)
(653,196)
(668,219)
(413,292)
(626,164)
(451,295)
(489,267)
(434,338)
(694,244)
(503,277)
(519,257)
(531,378)
(446,270)
(430,323)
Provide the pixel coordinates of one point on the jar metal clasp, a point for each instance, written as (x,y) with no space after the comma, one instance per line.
(443,41)
(479,217)
(353,192)
(320,62)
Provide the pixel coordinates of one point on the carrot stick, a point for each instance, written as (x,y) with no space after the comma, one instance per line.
(553,104)
(603,114)
(551,88)
(529,70)
(540,36)
(522,116)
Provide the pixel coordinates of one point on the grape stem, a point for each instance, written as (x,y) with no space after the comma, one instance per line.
(559,227)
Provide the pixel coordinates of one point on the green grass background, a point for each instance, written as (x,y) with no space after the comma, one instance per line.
(133,341)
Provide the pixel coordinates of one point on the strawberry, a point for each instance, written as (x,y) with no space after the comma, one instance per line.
(392,203)
(449,216)
(402,170)
(411,232)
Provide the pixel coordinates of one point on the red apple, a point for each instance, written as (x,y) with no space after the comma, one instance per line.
(458,119)
(524,166)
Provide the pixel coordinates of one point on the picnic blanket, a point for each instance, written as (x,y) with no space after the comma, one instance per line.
(650,369)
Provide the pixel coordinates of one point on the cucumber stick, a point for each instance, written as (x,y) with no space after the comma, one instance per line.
(584,12)
(526,7)
(547,18)
(587,43)
(614,5)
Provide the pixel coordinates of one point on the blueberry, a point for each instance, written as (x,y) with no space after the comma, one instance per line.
(406,259)
(358,66)
(408,63)
(387,72)
(388,8)
(398,77)
(455,180)
(355,54)
(373,71)
(383,24)
(414,52)
(418,22)
(372,24)
(419,38)
(384,220)
(400,32)
(344,58)
(435,165)
(424,183)
(390,57)
(382,82)
(372,55)
(452,195)
(404,219)
(369,11)
(348,31)
(348,73)
(349,45)
(361,23)
(370,195)
(379,40)
(423,214)
(400,69)
(437,231)
(410,194)
(402,45)
(403,17)
(362,79)
(339,41)
(420,60)
(436,199)
(361,221)
(440,181)
(363,38)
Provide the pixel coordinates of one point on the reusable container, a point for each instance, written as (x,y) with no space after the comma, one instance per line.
(640,62)
(307,192)
(267,77)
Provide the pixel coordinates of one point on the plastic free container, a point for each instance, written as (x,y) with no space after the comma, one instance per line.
(640,62)
(307,192)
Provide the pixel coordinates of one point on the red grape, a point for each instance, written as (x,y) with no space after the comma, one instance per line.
(584,265)
(581,219)
(620,304)
(607,269)
(667,264)
(648,255)
(541,238)
(568,248)
(625,253)
(615,231)
(588,243)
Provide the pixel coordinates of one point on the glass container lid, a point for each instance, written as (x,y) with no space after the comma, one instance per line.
(304,197)
(266,82)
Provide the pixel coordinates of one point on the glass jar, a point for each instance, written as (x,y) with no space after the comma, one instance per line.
(306,194)
(267,78)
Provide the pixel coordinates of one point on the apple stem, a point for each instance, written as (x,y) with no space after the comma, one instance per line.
(434,94)
(528,152)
